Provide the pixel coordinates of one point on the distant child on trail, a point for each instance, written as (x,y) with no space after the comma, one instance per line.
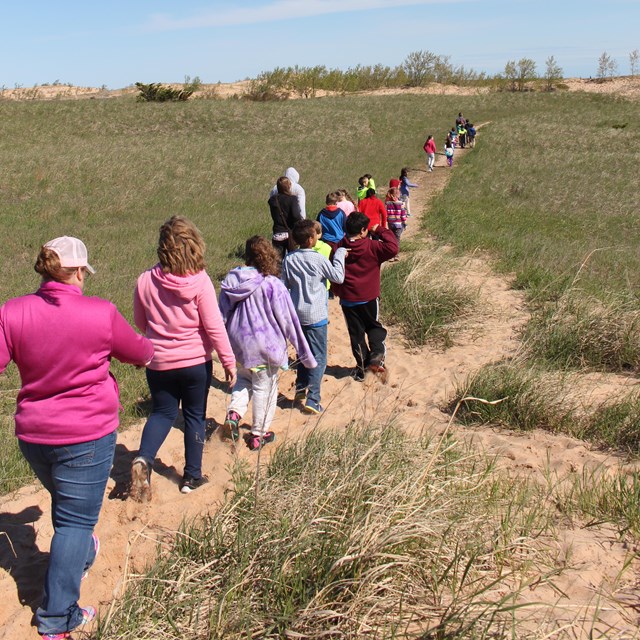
(374,209)
(332,219)
(305,273)
(365,183)
(345,202)
(285,212)
(396,212)
(260,318)
(471,135)
(360,292)
(448,152)
(462,135)
(405,185)
(322,248)
(430,149)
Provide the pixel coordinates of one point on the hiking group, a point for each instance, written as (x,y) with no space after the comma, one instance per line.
(62,343)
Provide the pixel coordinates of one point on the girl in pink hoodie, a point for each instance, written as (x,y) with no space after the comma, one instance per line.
(175,306)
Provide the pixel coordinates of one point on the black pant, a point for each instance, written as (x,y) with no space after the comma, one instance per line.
(363,324)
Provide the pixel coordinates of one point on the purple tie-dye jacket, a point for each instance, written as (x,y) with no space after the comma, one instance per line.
(260,318)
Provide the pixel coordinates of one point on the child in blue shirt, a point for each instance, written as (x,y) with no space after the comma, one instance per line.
(305,273)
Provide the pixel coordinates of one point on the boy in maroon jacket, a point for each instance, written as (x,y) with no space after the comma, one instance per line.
(360,292)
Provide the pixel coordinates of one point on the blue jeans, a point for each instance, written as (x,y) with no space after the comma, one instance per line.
(76,476)
(190,386)
(312,378)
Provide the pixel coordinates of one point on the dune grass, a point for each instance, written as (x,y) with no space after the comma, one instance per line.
(518,395)
(419,295)
(364,532)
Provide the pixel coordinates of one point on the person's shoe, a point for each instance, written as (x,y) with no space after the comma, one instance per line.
(141,480)
(380,370)
(88,614)
(96,546)
(255,442)
(190,484)
(301,395)
(358,375)
(231,425)
(313,407)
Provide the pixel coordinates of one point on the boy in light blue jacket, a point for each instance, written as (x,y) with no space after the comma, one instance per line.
(305,273)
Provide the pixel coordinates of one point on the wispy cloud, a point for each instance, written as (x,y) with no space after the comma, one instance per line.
(277,10)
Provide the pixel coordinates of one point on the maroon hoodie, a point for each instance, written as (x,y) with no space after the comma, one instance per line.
(362,265)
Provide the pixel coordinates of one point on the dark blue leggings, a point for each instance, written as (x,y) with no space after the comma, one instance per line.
(168,389)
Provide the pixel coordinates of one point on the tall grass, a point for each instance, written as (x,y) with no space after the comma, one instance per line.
(520,396)
(364,532)
(582,331)
(419,294)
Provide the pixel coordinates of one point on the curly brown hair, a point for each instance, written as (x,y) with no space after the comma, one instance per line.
(48,266)
(261,254)
(181,247)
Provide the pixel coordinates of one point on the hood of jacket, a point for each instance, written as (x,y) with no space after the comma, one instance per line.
(185,287)
(330,213)
(293,175)
(240,283)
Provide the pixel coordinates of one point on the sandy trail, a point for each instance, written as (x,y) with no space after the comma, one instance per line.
(421,383)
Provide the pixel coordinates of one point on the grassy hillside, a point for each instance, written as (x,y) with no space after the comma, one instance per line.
(551,180)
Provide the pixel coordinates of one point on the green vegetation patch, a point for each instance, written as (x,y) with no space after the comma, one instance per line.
(419,295)
(363,532)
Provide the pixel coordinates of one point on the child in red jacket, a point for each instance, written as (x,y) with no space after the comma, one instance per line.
(360,292)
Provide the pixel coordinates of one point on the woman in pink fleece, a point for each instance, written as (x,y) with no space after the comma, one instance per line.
(175,305)
(67,412)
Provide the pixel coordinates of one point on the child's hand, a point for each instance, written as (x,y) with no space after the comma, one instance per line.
(230,375)
(374,228)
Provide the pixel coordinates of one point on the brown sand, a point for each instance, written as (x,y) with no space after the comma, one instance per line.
(421,383)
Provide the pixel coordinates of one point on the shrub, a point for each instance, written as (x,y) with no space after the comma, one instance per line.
(157,92)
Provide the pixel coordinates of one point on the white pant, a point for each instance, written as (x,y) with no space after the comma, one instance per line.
(263,387)
(431,157)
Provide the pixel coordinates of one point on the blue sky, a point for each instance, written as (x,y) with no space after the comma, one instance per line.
(119,42)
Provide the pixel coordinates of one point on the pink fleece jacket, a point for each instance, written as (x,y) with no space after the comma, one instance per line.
(180,315)
(62,343)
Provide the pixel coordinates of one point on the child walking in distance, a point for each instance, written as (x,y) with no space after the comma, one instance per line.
(365,183)
(345,202)
(405,185)
(448,152)
(374,209)
(305,273)
(332,220)
(175,306)
(260,318)
(360,292)
(396,213)
(430,150)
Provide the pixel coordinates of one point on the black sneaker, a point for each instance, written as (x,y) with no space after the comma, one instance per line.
(190,484)
(358,375)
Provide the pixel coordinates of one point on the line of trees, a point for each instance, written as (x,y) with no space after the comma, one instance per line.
(419,68)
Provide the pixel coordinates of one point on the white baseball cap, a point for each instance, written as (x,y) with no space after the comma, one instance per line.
(71,251)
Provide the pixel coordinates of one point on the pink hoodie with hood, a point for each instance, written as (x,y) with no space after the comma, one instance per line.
(180,315)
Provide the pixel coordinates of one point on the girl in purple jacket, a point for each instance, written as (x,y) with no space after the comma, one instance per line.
(260,318)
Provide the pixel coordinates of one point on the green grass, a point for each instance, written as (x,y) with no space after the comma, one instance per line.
(362,532)
(418,295)
(551,190)
(519,396)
